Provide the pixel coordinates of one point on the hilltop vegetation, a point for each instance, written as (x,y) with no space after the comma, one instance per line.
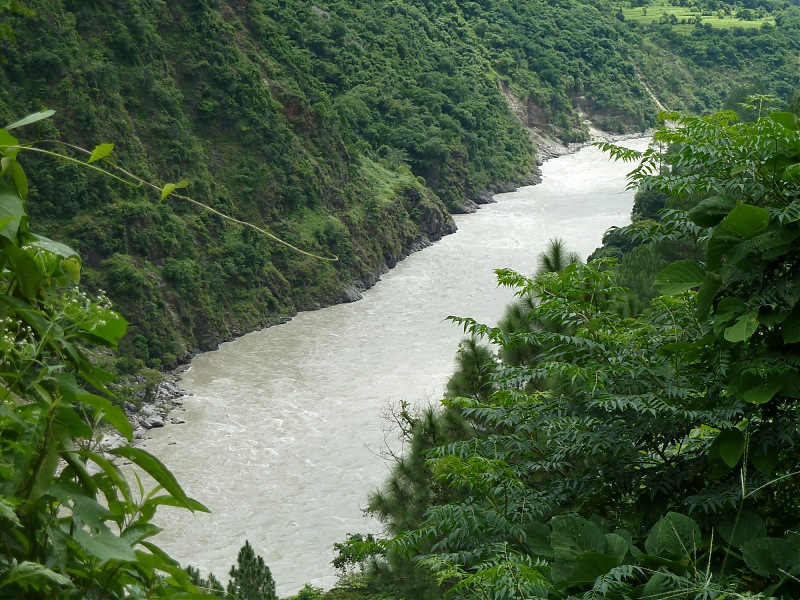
(349,129)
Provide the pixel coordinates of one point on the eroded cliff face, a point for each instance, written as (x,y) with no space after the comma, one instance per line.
(542,134)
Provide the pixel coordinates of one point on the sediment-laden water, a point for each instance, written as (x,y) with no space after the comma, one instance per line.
(285,428)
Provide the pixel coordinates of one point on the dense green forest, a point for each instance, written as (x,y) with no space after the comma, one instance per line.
(627,431)
(348,129)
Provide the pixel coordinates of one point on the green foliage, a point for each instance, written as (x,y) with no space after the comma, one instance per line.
(250,577)
(314,122)
(647,204)
(70,523)
(11,6)
(659,458)
(474,369)
(210,584)
(556,258)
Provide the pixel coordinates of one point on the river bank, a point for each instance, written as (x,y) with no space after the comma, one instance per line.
(286,433)
(161,407)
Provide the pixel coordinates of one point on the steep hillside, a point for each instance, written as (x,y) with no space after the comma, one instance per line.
(346,128)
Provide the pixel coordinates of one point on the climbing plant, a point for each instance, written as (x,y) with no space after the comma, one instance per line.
(71,523)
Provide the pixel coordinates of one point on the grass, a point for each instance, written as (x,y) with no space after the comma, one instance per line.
(652,14)
(383,182)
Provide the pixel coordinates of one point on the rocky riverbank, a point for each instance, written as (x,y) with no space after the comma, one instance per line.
(154,411)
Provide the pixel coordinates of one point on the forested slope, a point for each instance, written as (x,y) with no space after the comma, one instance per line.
(346,128)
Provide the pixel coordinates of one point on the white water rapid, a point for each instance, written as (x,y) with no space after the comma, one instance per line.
(285,426)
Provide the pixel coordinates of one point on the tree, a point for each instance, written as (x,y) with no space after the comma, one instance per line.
(647,204)
(475,365)
(659,461)
(208,584)
(11,6)
(556,258)
(250,577)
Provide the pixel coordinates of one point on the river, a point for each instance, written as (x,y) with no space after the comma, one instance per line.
(286,428)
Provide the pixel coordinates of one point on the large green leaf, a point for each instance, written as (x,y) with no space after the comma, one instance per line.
(62,250)
(718,248)
(770,557)
(170,501)
(617,546)
(25,269)
(744,327)
(777,241)
(159,560)
(538,539)
(33,575)
(32,118)
(114,474)
(765,458)
(674,536)
(745,527)
(763,392)
(573,535)
(587,567)
(100,152)
(680,277)
(35,318)
(658,586)
(140,531)
(156,469)
(786,119)
(72,267)
(76,468)
(790,330)
(170,188)
(46,471)
(6,140)
(729,446)
(105,546)
(106,329)
(711,211)
(112,414)
(89,512)
(19,179)
(792,174)
(770,316)
(7,512)
(745,221)
(706,295)
(728,309)
(12,211)
(69,263)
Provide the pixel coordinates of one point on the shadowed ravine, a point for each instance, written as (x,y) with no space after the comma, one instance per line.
(284,427)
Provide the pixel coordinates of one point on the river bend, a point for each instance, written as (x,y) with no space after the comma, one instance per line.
(285,427)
